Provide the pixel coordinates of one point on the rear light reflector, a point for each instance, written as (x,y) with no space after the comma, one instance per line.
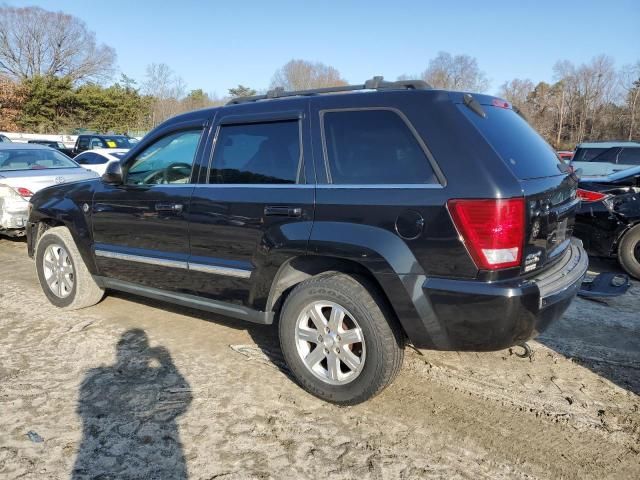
(24,192)
(588,196)
(492,230)
(498,102)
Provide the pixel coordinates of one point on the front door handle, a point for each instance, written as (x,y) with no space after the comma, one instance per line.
(169,207)
(282,211)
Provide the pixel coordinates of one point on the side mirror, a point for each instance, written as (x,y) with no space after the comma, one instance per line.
(113,173)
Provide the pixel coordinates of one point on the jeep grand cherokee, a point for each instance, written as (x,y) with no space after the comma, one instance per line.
(354,221)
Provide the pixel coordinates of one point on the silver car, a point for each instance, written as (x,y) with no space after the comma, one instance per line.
(25,169)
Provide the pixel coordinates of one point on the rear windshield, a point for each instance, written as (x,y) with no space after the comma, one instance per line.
(525,152)
(34,159)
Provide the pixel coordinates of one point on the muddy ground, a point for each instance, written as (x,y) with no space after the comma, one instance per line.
(133,388)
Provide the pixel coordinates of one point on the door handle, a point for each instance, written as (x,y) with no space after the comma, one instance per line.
(271,211)
(169,207)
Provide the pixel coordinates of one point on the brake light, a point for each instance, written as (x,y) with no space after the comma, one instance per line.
(492,230)
(497,102)
(588,196)
(24,192)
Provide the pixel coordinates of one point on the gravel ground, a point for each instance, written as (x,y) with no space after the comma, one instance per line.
(133,388)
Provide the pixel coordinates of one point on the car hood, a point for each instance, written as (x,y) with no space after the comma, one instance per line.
(35,180)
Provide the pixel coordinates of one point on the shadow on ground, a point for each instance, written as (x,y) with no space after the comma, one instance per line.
(129,411)
(603,336)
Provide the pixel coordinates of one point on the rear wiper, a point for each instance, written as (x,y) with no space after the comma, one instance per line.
(473,105)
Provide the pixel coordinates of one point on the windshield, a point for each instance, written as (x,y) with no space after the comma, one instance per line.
(34,159)
(589,154)
(118,142)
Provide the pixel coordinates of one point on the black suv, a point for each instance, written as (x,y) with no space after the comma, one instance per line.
(89,142)
(353,220)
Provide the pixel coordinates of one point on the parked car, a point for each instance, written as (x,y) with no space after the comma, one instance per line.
(608,221)
(89,142)
(61,147)
(565,155)
(24,170)
(356,220)
(98,159)
(4,138)
(596,159)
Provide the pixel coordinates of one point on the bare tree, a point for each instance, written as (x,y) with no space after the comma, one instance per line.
(630,84)
(166,89)
(303,75)
(460,72)
(35,42)
(517,92)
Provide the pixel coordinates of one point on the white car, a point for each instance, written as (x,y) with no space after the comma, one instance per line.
(98,158)
(26,168)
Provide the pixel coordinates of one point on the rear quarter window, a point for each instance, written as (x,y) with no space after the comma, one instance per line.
(523,150)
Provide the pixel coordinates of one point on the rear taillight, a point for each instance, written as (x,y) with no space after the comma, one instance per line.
(492,230)
(24,192)
(588,196)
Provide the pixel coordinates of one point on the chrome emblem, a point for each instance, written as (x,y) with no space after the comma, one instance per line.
(85,208)
(59,179)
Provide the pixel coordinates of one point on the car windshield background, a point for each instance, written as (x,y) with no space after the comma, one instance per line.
(34,159)
(587,154)
(608,155)
(168,160)
(117,142)
(374,147)
(629,156)
(257,153)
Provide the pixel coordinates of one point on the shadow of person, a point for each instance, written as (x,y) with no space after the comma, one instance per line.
(129,413)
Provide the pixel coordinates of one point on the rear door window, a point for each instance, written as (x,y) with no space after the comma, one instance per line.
(373,147)
(524,151)
(255,153)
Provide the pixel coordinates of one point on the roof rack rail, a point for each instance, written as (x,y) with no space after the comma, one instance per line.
(375,83)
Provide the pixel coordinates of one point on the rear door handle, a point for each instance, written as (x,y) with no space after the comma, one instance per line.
(282,211)
(169,207)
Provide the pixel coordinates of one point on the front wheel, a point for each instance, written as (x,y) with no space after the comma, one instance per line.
(340,339)
(63,276)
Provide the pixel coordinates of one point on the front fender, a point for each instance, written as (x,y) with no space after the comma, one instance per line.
(63,205)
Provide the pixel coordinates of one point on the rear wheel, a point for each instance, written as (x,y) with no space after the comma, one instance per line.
(339,338)
(63,276)
(629,252)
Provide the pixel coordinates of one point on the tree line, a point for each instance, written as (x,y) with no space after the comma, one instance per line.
(54,79)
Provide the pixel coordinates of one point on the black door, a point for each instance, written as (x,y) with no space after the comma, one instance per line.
(139,228)
(254,207)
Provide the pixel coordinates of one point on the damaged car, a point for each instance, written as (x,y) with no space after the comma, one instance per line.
(608,221)
(25,169)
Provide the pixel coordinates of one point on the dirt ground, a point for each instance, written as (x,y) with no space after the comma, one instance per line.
(133,388)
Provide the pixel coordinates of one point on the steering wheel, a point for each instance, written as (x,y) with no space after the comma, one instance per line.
(164,175)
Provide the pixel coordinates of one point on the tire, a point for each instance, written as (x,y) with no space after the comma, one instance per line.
(67,283)
(629,252)
(363,369)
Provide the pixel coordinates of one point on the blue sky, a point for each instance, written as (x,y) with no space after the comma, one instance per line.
(217,45)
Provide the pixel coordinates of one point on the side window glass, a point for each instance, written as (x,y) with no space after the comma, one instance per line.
(257,153)
(82,159)
(369,147)
(83,143)
(629,156)
(167,160)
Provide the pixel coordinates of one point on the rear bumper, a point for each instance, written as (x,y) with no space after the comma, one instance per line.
(473,315)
